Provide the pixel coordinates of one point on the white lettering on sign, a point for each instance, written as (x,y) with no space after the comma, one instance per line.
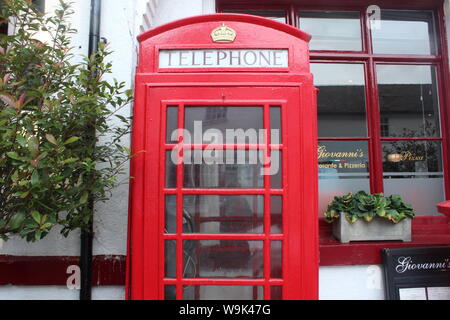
(224,58)
(406,264)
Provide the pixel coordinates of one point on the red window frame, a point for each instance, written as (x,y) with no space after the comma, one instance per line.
(374,138)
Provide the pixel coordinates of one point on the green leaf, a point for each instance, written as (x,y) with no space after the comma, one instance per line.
(47,225)
(70,160)
(71,140)
(21,140)
(13,155)
(17,220)
(15,176)
(50,138)
(23,195)
(37,235)
(33,146)
(36,216)
(84,197)
(35,178)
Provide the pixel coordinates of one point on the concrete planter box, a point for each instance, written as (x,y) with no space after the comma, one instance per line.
(378,229)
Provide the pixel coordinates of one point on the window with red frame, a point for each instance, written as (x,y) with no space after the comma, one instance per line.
(382,99)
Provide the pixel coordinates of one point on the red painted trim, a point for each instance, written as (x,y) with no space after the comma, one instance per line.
(52,271)
(351,4)
(226,17)
(444,207)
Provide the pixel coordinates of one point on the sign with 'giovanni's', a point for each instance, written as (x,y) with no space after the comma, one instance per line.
(417,273)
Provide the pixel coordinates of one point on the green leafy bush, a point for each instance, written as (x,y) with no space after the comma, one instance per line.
(59,153)
(368,206)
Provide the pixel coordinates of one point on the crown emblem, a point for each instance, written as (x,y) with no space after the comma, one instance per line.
(223,34)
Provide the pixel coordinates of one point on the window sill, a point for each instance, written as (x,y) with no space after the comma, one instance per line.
(427,232)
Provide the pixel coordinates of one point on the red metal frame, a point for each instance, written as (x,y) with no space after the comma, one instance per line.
(290,89)
(370,60)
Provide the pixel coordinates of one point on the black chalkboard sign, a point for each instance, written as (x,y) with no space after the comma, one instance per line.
(417,273)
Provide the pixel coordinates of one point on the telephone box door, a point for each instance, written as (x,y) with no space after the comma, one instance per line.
(226,214)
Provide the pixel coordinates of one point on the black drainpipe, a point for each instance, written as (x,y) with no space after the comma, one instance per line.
(87,235)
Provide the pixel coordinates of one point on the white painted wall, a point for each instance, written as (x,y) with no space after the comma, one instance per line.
(351,283)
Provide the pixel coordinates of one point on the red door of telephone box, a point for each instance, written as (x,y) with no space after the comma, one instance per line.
(224,198)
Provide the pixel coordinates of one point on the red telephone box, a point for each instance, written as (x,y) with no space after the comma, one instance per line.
(224,198)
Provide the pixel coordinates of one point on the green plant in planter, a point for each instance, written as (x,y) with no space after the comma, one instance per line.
(368,206)
(60,151)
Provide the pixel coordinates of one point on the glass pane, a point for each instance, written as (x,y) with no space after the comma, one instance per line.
(332,30)
(276,214)
(170,225)
(275,125)
(224,258)
(225,214)
(276,293)
(172,125)
(277,15)
(343,168)
(414,170)
(341,99)
(170,250)
(405,32)
(218,124)
(409,105)
(170,292)
(223,169)
(276,170)
(223,293)
(276,256)
(171,170)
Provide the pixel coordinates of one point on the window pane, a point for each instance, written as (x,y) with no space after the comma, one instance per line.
(414,170)
(275,125)
(171,213)
(276,256)
(332,30)
(276,293)
(210,124)
(171,124)
(223,292)
(224,169)
(171,169)
(170,250)
(276,214)
(405,32)
(409,105)
(276,169)
(225,214)
(277,15)
(223,259)
(343,168)
(170,292)
(341,99)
